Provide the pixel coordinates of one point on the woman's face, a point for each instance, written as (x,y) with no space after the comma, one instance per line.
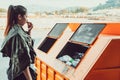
(22,20)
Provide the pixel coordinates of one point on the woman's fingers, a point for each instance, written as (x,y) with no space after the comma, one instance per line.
(30,25)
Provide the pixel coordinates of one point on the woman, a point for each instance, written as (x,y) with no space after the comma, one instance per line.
(18,45)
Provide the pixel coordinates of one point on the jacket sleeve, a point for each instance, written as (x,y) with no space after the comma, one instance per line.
(20,57)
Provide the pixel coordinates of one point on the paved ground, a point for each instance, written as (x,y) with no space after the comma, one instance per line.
(4,61)
(3,67)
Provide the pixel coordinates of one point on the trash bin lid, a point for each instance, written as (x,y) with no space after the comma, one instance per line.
(87,32)
(57,30)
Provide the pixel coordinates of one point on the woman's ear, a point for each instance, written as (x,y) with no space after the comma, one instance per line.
(19,17)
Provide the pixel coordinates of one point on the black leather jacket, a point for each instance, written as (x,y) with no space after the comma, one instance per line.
(18,46)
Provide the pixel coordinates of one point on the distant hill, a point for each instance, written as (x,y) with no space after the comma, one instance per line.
(76,9)
(49,9)
(57,10)
(109,4)
(39,8)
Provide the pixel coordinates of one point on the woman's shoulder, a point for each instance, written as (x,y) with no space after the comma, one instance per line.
(15,30)
(10,37)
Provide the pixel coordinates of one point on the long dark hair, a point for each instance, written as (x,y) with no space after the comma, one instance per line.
(12,16)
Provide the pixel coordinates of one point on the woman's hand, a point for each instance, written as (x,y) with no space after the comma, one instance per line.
(30,26)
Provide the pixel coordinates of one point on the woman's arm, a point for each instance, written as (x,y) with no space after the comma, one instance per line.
(27,73)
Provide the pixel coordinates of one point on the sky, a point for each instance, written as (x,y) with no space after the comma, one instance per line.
(52,3)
